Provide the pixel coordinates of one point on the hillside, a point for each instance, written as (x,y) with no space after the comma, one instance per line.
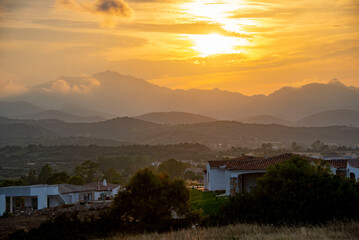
(11,109)
(66,117)
(174,118)
(331,118)
(219,132)
(266,119)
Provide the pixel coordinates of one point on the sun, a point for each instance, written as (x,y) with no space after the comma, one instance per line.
(212,44)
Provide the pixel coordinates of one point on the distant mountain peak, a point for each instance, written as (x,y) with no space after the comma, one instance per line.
(336,82)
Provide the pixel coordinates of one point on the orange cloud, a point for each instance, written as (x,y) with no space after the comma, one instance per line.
(83,85)
(110,9)
(10,88)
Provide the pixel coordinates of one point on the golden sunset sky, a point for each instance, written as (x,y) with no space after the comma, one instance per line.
(252,47)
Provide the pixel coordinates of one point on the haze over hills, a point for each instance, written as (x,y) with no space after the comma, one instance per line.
(12,109)
(175,118)
(331,118)
(66,117)
(135,131)
(266,119)
(122,95)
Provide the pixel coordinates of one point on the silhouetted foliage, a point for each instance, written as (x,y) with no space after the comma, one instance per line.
(292,192)
(173,168)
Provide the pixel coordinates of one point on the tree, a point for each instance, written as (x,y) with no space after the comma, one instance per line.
(31,177)
(151,199)
(173,168)
(44,174)
(88,170)
(113,176)
(57,178)
(317,145)
(296,191)
(77,180)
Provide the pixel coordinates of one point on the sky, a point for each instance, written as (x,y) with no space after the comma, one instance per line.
(251,47)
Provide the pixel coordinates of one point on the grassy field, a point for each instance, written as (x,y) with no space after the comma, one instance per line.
(206,201)
(337,231)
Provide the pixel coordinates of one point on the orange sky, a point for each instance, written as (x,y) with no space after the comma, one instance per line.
(253,47)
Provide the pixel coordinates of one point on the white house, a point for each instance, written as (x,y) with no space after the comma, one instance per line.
(44,196)
(240,174)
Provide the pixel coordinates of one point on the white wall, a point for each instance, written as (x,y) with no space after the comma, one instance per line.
(353,170)
(2,204)
(216,179)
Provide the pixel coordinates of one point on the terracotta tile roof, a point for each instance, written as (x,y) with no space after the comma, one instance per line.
(256,163)
(98,186)
(217,163)
(237,164)
(342,163)
(95,186)
(354,163)
(233,162)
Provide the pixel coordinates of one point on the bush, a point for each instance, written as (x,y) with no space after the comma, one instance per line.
(294,192)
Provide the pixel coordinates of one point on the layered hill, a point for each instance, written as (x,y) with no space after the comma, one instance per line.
(136,131)
(66,117)
(331,118)
(174,118)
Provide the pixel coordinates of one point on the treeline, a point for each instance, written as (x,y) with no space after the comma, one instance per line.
(86,172)
(14,159)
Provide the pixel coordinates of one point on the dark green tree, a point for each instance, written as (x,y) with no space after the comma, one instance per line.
(57,178)
(77,180)
(31,177)
(296,191)
(113,176)
(44,174)
(88,170)
(152,199)
(173,168)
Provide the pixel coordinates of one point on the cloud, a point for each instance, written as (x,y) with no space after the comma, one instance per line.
(10,88)
(79,85)
(110,9)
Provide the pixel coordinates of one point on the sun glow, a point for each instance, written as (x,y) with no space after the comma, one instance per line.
(218,12)
(211,44)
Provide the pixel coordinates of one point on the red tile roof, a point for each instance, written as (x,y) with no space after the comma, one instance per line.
(219,163)
(342,163)
(255,163)
(354,163)
(90,187)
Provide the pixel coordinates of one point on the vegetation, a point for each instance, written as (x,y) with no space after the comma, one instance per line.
(173,168)
(150,202)
(16,161)
(207,202)
(294,192)
(331,231)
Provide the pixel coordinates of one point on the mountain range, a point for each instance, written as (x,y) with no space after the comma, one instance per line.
(119,95)
(127,130)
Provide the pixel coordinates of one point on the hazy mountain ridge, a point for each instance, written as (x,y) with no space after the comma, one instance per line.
(331,118)
(219,132)
(173,118)
(266,119)
(66,117)
(123,95)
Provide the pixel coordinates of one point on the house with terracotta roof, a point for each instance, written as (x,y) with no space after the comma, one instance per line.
(240,174)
